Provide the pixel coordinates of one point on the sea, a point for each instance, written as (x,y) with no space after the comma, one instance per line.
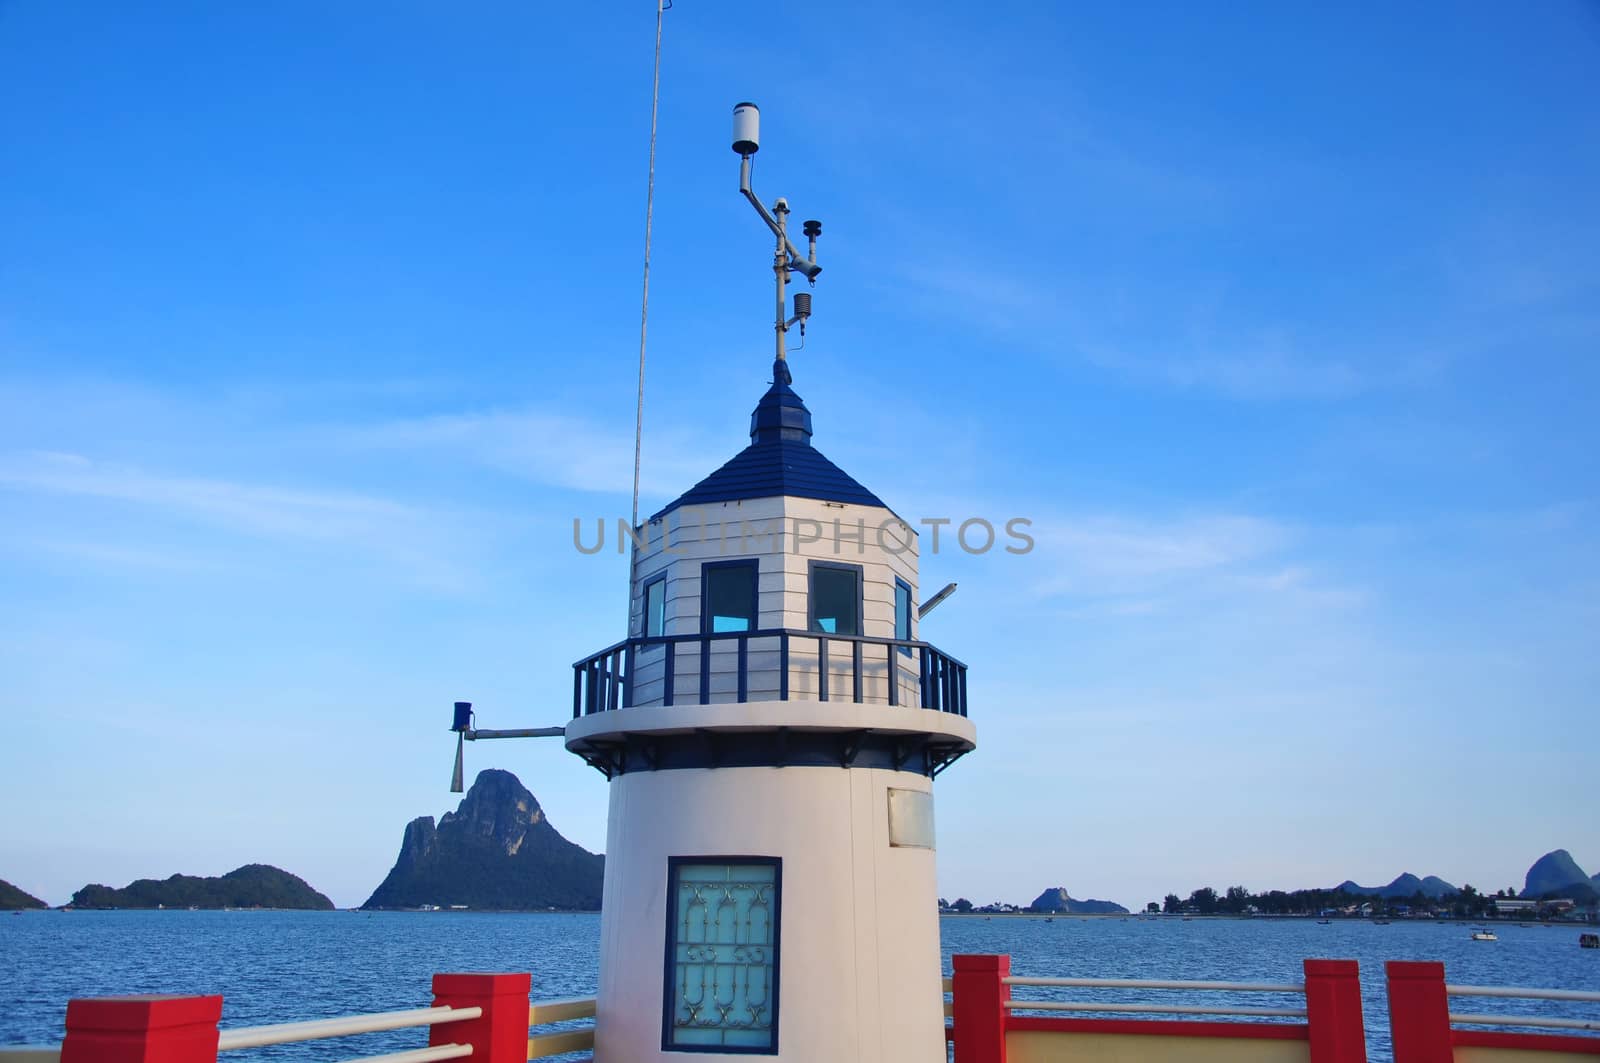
(275,966)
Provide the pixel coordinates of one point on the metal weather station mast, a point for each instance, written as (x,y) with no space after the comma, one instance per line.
(786,257)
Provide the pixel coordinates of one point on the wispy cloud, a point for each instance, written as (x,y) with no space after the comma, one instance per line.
(374,525)
(554,449)
(1132,564)
(118,555)
(249,508)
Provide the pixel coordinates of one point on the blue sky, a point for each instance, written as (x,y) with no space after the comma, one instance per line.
(318,326)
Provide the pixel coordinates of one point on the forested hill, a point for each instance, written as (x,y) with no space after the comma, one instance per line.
(251,886)
(12,898)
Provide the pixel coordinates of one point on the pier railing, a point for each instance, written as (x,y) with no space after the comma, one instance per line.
(993,1026)
(1425,1029)
(488,1018)
(857,668)
(1321,1022)
(483,1017)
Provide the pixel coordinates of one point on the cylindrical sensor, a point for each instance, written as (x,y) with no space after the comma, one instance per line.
(802,305)
(746,128)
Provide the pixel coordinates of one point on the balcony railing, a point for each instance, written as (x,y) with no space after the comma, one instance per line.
(607,680)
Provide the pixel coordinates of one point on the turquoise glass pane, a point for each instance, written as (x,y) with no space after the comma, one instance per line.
(655,608)
(724,957)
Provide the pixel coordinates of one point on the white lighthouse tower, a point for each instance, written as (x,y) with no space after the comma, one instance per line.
(770,728)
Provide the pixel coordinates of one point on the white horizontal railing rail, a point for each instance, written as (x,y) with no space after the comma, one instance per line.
(1154,1009)
(1157,1009)
(348,1026)
(417,1055)
(1470,1019)
(1514,992)
(1142,983)
(559,1042)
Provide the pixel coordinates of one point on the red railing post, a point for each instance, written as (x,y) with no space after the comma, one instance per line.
(153,1029)
(500,1035)
(1333,1011)
(1419,1012)
(978,1006)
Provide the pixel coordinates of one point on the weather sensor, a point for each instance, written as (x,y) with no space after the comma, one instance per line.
(787,258)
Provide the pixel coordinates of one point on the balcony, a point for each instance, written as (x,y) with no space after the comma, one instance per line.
(771,664)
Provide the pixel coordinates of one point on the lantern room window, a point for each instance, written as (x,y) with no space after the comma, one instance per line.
(727,596)
(902,613)
(655,607)
(835,598)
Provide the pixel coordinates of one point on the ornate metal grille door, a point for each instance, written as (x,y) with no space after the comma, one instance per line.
(722,955)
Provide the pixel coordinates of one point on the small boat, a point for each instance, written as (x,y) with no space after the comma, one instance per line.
(1324,922)
(1484,935)
(1380,922)
(1589,941)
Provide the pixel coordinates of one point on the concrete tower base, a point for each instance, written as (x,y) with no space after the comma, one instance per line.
(859,945)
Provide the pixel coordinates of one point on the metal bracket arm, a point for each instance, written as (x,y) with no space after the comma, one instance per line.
(795,256)
(520,732)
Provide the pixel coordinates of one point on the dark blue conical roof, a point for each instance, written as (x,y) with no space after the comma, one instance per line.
(780,459)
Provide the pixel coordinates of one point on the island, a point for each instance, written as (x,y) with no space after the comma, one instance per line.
(497,851)
(251,886)
(13,899)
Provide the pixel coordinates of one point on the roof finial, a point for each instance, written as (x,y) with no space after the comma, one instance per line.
(781,415)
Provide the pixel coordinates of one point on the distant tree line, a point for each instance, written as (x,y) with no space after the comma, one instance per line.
(1465,903)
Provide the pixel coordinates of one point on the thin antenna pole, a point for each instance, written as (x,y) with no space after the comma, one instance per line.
(644,302)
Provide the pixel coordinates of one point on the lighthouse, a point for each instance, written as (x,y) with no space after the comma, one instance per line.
(770,727)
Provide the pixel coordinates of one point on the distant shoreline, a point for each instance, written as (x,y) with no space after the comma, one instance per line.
(329,911)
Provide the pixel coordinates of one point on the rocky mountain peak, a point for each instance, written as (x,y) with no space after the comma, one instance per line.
(1553,872)
(1057,899)
(497,807)
(496,850)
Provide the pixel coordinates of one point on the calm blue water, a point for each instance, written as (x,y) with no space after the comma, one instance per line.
(282,966)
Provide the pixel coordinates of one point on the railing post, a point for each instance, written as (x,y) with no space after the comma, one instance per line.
(614,693)
(783,666)
(744,669)
(154,1029)
(628,659)
(705,671)
(822,668)
(1333,1011)
(500,1035)
(978,1007)
(1419,1012)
